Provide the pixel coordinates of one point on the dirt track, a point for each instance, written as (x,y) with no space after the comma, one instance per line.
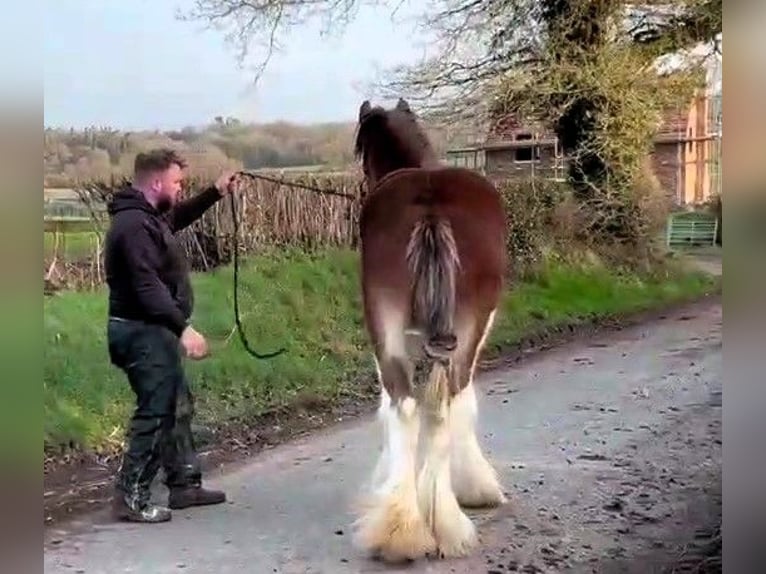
(609,449)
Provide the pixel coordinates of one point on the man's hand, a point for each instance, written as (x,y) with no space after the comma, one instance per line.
(227,182)
(193,343)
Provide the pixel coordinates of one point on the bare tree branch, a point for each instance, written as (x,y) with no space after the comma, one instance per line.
(255,25)
(477,44)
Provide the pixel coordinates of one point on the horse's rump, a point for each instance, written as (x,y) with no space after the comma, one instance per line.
(433,246)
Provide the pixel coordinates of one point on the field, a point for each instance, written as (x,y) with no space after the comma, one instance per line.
(70,246)
(311,304)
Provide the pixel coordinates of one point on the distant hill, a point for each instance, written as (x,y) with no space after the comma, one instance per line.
(99,153)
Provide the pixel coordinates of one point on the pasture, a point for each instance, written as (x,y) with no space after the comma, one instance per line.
(71,246)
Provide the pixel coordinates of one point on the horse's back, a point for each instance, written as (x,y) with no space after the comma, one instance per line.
(460,195)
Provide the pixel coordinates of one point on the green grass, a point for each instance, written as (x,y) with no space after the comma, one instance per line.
(311,304)
(567,292)
(74,245)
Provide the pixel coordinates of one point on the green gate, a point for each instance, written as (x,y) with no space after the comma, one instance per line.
(691,229)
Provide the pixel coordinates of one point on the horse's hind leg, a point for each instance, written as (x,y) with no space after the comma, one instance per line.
(473,478)
(380,474)
(391,523)
(454,532)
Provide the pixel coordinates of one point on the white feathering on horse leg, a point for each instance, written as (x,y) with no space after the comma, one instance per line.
(454,532)
(382,468)
(473,478)
(392,525)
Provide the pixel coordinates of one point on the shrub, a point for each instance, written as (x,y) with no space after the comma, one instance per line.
(531,208)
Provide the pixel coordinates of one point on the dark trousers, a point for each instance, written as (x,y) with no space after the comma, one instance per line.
(160,430)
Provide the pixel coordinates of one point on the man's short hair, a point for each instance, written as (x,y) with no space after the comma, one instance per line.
(157,160)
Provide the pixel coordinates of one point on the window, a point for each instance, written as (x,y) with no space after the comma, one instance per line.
(524,154)
(468,159)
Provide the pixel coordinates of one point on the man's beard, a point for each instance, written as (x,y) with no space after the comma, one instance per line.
(164,204)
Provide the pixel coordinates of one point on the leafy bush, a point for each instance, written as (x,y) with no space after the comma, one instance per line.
(531,210)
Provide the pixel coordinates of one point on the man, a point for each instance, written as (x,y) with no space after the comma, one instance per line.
(150,304)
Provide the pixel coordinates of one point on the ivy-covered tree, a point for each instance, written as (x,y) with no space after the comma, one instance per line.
(584,67)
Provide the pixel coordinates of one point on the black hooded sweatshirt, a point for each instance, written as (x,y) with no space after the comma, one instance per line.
(146,269)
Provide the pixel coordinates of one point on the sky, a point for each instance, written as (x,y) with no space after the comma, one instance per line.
(131,65)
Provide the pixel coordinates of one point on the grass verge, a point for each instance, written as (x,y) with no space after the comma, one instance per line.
(311,303)
(70,246)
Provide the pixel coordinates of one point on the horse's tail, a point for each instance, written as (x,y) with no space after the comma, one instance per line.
(433,261)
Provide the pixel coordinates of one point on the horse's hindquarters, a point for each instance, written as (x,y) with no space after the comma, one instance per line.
(436,212)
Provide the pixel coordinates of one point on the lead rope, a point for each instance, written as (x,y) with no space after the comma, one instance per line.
(295,184)
(240,329)
(235,224)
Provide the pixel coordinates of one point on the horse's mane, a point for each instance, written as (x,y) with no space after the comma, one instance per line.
(397,131)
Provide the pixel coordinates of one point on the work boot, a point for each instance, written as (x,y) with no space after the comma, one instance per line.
(185,496)
(126,509)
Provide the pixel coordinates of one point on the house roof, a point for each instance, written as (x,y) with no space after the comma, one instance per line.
(707,55)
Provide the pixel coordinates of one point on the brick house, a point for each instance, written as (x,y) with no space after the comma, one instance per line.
(687,148)
(514,149)
(686,155)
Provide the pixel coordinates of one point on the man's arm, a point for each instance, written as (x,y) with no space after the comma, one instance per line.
(143,260)
(190,210)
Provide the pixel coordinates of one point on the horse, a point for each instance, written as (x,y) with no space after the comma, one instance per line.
(433,263)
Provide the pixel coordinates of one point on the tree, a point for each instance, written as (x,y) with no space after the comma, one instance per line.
(477,41)
(595,81)
(585,67)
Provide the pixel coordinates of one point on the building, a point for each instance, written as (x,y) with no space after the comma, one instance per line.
(513,149)
(687,149)
(63,202)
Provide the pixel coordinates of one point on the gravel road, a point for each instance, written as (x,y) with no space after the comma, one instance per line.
(609,450)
